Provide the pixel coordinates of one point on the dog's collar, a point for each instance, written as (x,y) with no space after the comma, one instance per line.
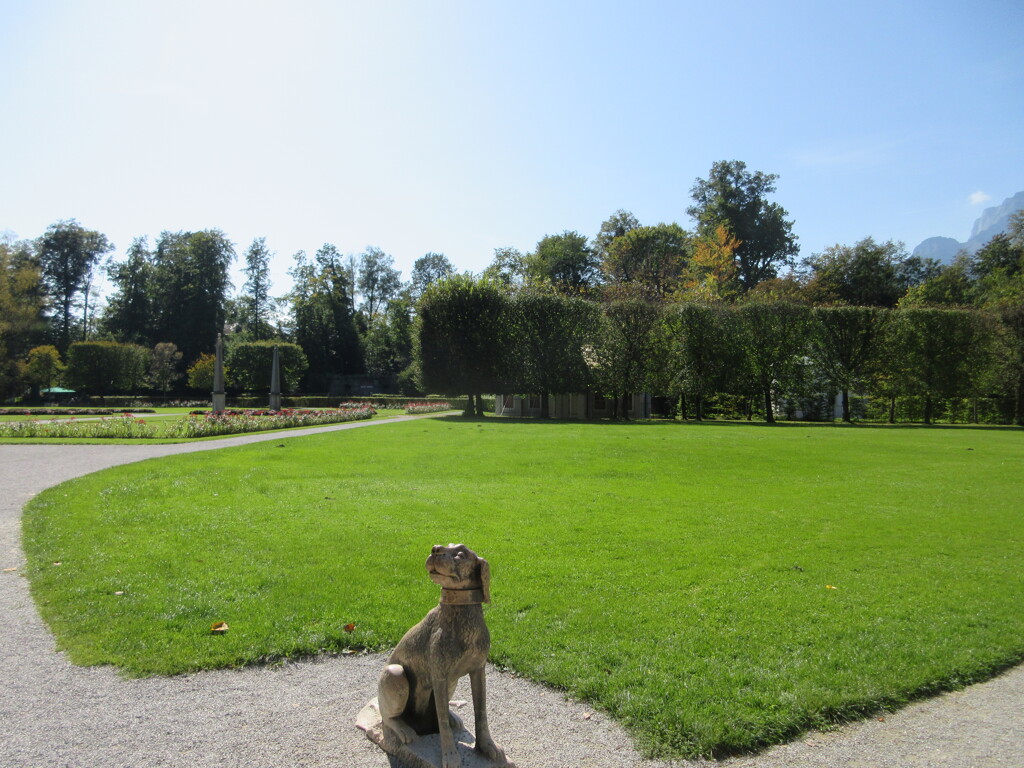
(461,596)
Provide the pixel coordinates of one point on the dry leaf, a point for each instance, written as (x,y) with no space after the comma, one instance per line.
(119,593)
(9,570)
(58,563)
(219,627)
(829,586)
(587,715)
(349,627)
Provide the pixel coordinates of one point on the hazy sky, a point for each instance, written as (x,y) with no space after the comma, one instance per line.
(460,127)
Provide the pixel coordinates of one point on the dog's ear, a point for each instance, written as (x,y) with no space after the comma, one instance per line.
(485,578)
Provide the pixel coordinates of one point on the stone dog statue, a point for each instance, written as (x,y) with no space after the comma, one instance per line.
(451,641)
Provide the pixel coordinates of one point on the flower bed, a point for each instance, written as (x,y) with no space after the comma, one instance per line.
(125,426)
(68,411)
(427,407)
(233,422)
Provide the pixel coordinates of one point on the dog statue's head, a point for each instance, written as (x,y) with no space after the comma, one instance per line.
(458,567)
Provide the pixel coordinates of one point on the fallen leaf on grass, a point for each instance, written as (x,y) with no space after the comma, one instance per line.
(349,627)
(829,586)
(58,563)
(119,593)
(219,627)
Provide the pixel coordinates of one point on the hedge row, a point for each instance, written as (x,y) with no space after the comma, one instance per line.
(317,401)
(69,411)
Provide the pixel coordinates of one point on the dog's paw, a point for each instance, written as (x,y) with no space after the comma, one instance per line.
(492,751)
(399,730)
(450,757)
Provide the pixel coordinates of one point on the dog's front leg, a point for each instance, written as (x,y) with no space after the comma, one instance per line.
(449,751)
(484,743)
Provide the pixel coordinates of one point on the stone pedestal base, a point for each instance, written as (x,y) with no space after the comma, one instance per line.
(220,401)
(424,752)
(275,403)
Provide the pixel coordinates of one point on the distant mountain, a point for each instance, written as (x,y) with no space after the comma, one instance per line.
(992,222)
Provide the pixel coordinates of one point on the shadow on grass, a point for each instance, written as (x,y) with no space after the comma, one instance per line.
(490,418)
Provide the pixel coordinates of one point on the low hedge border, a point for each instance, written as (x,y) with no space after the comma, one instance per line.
(69,411)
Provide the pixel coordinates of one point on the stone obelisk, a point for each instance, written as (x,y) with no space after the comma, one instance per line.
(219,398)
(275,382)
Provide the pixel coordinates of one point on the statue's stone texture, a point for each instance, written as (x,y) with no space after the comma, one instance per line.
(219,397)
(410,717)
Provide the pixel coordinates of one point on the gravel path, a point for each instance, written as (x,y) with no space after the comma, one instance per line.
(302,714)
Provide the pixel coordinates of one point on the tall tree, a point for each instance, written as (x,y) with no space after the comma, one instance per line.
(427,270)
(379,281)
(163,366)
(626,355)
(651,259)
(565,261)
(191,282)
(711,274)
(323,316)
(866,274)
(616,225)
(463,335)
(67,254)
(846,344)
(22,298)
(999,266)
(953,286)
(705,350)
(508,268)
(256,304)
(943,351)
(389,339)
(774,337)
(549,334)
(42,368)
(736,198)
(129,313)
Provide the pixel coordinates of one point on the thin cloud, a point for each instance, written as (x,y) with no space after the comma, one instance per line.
(979,197)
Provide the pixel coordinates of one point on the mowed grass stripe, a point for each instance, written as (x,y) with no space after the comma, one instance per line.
(676,575)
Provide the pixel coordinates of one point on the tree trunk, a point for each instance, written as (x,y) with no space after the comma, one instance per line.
(892,409)
(927,409)
(698,407)
(1018,416)
(479,404)
(769,415)
(469,405)
(545,406)
(846,405)
(748,408)
(682,406)
(974,410)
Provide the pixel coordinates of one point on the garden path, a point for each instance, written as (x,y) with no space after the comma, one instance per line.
(302,714)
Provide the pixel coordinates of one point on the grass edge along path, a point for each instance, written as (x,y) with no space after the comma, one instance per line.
(716,589)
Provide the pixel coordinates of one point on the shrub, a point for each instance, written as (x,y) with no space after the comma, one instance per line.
(104,366)
(427,407)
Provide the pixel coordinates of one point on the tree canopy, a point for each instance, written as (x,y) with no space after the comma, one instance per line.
(734,197)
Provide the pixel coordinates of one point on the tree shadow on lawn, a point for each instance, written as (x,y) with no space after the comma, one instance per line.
(738,423)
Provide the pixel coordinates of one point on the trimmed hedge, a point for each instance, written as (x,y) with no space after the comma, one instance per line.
(70,411)
(320,401)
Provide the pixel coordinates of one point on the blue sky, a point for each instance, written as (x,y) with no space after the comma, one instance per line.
(460,127)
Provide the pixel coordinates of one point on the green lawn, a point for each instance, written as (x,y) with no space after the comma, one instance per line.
(677,576)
